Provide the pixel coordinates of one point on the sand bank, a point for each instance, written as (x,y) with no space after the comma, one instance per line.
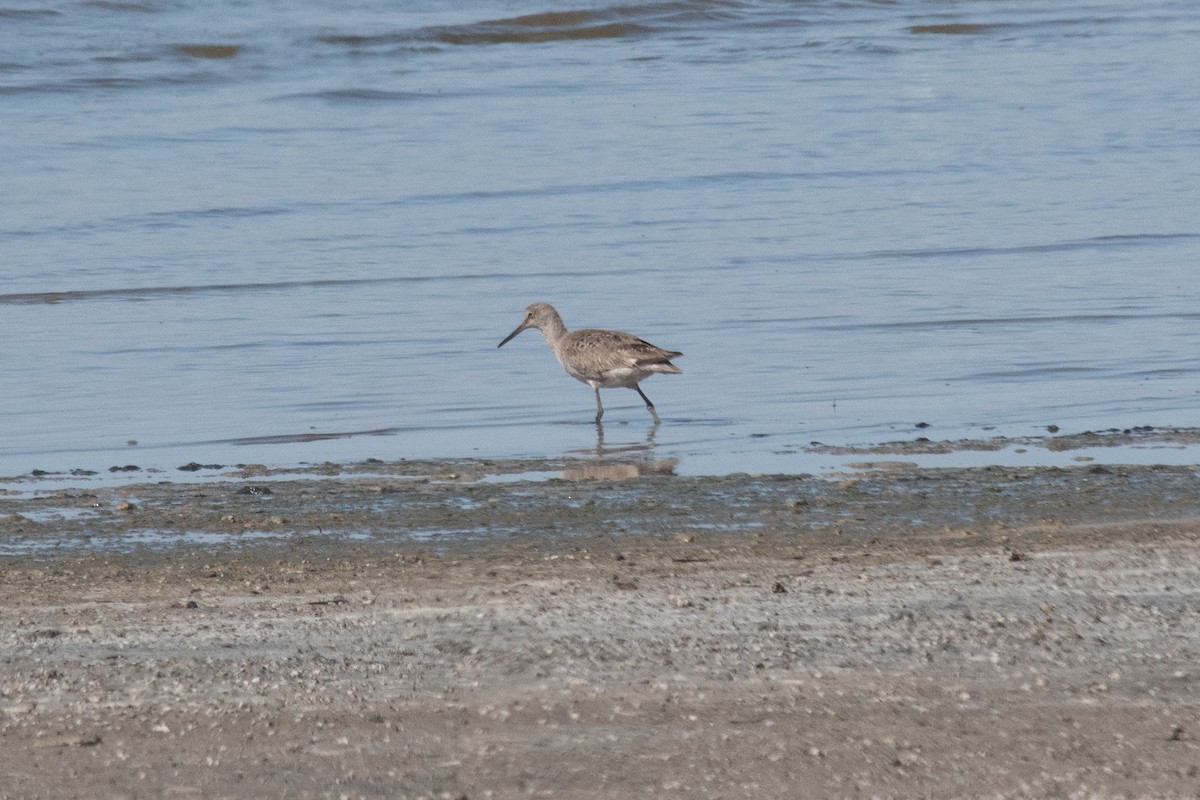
(445,629)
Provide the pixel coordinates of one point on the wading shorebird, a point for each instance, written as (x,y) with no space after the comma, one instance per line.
(601,359)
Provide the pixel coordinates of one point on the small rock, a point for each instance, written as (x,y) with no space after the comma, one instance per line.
(779,588)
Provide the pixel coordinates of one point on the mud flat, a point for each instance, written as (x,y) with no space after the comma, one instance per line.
(452,629)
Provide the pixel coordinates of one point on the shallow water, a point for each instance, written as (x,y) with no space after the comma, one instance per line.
(237,234)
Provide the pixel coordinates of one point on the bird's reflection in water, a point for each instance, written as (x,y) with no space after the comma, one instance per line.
(651,432)
(637,460)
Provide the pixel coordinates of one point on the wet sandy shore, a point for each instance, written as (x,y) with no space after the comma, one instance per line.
(444,629)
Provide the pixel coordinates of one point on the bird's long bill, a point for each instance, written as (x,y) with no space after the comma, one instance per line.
(509,338)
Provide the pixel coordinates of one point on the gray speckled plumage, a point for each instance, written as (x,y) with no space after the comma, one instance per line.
(601,359)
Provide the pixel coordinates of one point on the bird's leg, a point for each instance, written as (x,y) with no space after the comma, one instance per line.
(599,406)
(649,405)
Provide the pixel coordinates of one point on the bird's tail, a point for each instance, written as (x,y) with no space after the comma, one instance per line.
(664,367)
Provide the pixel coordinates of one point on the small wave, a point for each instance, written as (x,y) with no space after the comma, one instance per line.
(1144,237)
(357,96)
(979,322)
(365,41)
(983,28)
(612,22)
(1089,243)
(109,5)
(149,292)
(164,219)
(210,51)
(558,19)
(27,13)
(74,84)
(960,28)
(125,58)
(498,33)
(299,438)
(1041,371)
(106,84)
